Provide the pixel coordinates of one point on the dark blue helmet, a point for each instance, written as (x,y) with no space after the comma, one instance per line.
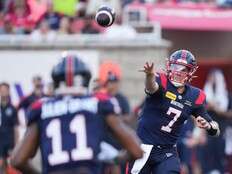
(181,66)
(184,57)
(71,71)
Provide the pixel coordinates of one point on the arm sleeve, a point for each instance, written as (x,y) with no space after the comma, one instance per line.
(201,111)
(124,104)
(200,107)
(24,103)
(34,112)
(106,108)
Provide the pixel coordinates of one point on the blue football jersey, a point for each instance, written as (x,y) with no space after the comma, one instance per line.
(165,112)
(70,130)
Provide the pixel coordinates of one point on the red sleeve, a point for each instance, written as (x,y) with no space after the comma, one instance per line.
(200,109)
(201,98)
(163,80)
(102,96)
(34,112)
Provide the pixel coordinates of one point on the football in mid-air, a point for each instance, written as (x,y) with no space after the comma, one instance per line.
(105,16)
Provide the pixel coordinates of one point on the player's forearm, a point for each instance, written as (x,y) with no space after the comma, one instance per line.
(208,124)
(213,129)
(130,142)
(126,136)
(128,119)
(151,85)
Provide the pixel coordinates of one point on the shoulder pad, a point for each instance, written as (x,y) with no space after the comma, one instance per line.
(201,97)
(102,96)
(163,80)
(37,104)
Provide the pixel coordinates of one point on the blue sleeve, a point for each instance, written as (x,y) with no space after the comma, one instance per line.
(34,112)
(123,103)
(201,111)
(106,108)
(200,107)
(24,103)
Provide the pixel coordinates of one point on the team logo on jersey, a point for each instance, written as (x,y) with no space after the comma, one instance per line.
(189,103)
(170,95)
(178,104)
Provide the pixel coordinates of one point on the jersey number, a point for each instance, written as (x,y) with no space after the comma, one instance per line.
(78,127)
(176,113)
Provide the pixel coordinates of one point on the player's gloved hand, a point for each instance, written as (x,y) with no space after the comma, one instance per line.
(202,123)
(211,127)
(148,69)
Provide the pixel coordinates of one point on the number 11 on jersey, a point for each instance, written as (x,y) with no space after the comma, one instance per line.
(77,126)
(177,113)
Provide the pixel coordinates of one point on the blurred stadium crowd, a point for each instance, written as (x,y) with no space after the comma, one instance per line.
(51,17)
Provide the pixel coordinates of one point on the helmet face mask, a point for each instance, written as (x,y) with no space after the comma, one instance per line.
(178,74)
(180,67)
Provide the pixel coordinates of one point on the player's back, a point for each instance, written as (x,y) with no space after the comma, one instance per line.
(71,129)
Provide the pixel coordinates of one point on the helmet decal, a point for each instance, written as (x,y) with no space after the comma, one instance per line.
(69,75)
(184,55)
(66,71)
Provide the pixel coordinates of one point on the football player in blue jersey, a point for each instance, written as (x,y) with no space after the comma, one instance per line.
(170,101)
(70,126)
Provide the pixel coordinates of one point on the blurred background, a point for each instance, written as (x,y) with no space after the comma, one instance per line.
(34,34)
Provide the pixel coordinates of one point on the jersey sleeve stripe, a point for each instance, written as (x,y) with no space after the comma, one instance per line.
(184,55)
(163,78)
(127,168)
(101,96)
(201,98)
(36,105)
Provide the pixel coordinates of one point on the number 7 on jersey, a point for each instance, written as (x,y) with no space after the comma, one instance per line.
(177,113)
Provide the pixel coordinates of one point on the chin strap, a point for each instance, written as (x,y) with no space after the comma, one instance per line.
(176,84)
